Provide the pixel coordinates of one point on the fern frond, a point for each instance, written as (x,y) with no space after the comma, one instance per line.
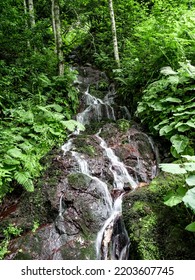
(23,178)
(72,125)
(15,153)
(56,107)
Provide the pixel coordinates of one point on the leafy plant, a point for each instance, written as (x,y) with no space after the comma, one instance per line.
(123,125)
(25,139)
(170,102)
(36,225)
(186,193)
(9,232)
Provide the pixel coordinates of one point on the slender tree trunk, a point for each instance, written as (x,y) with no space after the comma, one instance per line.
(53,24)
(26,22)
(114,35)
(31,13)
(57,35)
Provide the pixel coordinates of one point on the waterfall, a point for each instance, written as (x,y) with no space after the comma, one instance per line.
(105,247)
(103,188)
(112,240)
(118,169)
(96,108)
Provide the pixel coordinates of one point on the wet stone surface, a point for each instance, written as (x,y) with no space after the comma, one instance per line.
(70,232)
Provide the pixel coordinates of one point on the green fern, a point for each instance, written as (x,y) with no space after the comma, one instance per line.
(24,179)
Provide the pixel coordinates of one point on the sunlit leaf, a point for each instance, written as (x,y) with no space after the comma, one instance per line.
(173,200)
(179,142)
(173,168)
(191,181)
(191,227)
(189,199)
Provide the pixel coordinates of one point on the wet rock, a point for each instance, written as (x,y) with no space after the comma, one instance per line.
(135,149)
(71,206)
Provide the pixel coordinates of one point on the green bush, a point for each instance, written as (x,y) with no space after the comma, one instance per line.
(183,194)
(168,108)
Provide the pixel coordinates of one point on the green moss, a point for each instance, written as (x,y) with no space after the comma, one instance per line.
(86,145)
(156,230)
(88,150)
(83,250)
(23,256)
(78,180)
(148,246)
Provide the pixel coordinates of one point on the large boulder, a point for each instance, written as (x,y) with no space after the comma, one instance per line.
(156,231)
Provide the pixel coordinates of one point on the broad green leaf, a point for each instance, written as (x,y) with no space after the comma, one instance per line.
(189,166)
(72,125)
(167,70)
(189,199)
(56,107)
(179,142)
(190,123)
(191,227)
(173,200)
(183,128)
(26,146)
(190,158)
(172,168)
(11,161)
(23,178)
(181,191)
(165,129)
(184,113)
(191,181)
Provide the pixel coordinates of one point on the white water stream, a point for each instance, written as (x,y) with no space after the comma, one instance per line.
(121,177)
(107,245)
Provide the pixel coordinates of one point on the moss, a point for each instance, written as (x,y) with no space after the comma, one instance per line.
(147,245)
(95,127)
(100,90)
(88,150)
(80,251)
(23,256)
(78,180)
(86,145)
(157,231)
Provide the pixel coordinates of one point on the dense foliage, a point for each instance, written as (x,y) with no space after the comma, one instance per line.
(170,102)
(183,194)
(156,42)
(36,105)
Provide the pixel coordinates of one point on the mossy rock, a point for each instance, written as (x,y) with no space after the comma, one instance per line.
(85,144)
(157,231)
(79,180)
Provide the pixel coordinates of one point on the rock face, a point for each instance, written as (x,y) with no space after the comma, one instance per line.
(70,206)
(157,232)
(82,186)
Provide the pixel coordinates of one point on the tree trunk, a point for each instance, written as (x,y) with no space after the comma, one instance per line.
(53,24)
(57,35)
(31,13)
(114,36)
(26,22)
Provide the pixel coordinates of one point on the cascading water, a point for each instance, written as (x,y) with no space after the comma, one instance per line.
(96,108)
(106,242)
(103,188)
(112,240)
